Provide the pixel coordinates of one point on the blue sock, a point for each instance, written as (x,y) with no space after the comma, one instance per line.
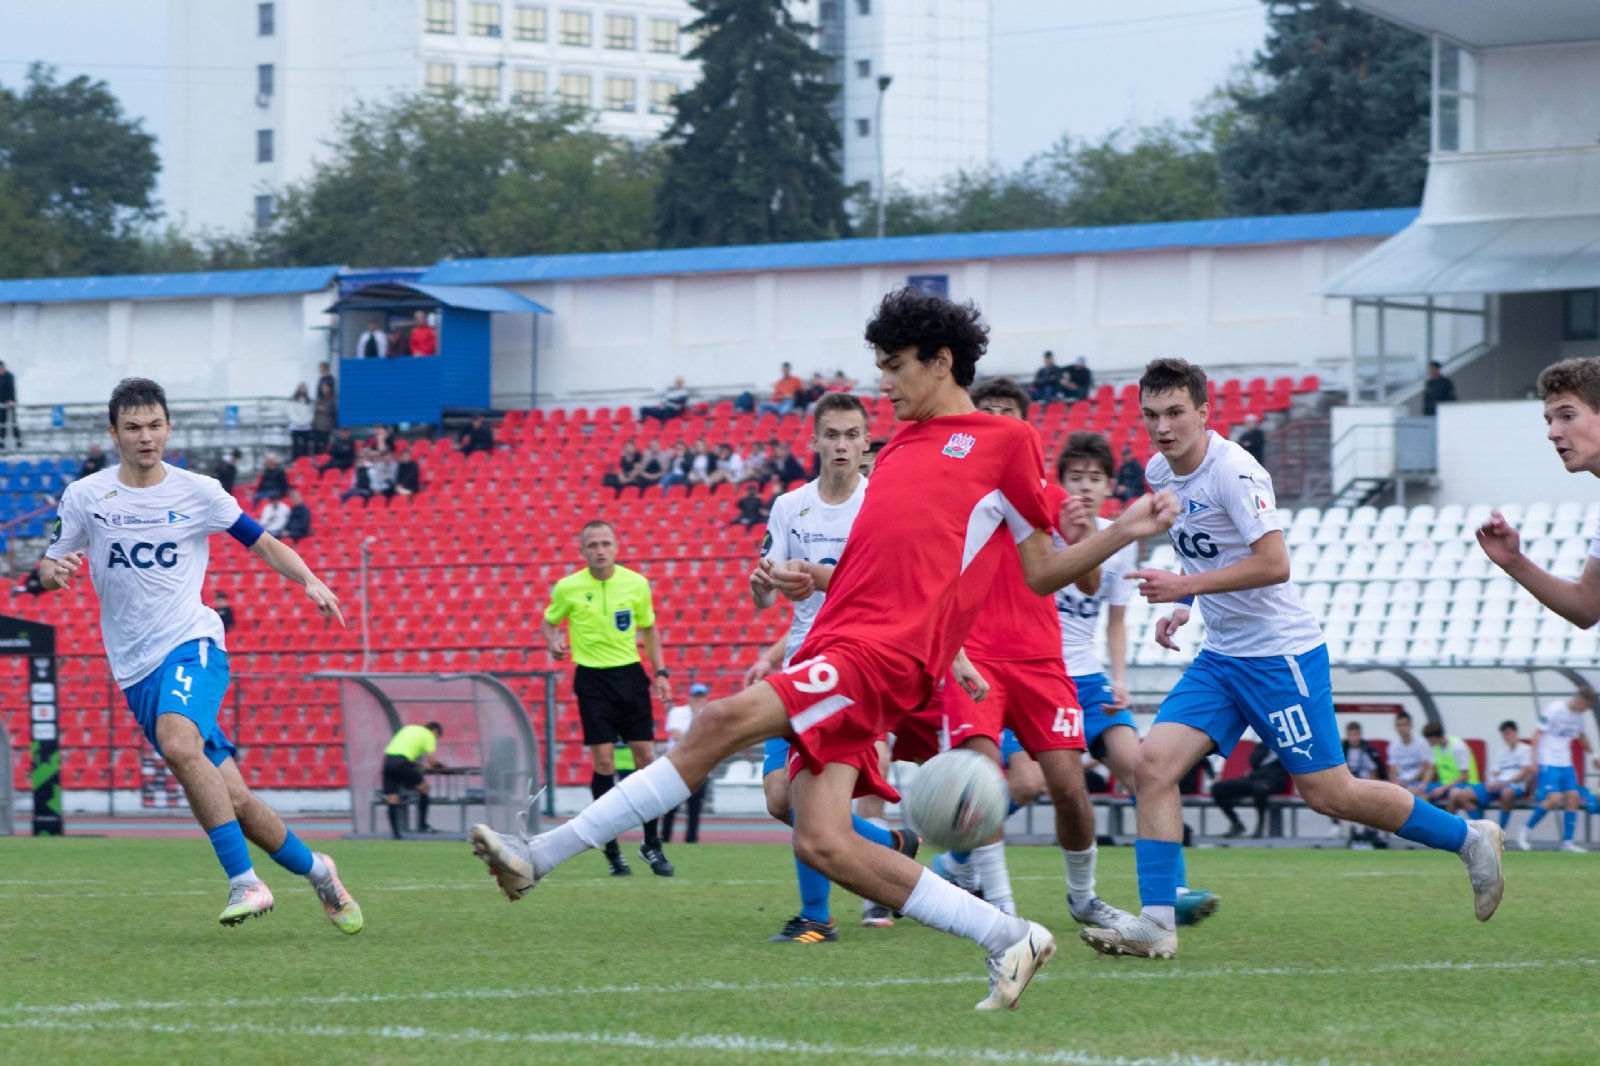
(294,856)
(1433,827)
(1505,817)
(1569,824)
(1158,862)
(1183,869)
(872,831)
(814,892)
(233,853)
(1013,809)
(963,857)
(1538,816)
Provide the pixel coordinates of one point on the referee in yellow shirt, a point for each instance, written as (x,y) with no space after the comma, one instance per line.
(608,609)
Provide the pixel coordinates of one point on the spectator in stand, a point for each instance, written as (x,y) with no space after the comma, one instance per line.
(869,458)
(324,415)
(382,442)
(273,483)
(1366,763)
(398,345)
(1252,439)
(758,467)
(407,474)
(702,464)
(224,610)
(1436,390)
(325,377)
(752,510)
(785,467)
(374,343)
(299,527)
(360,479)
(627,471)
(673,403)
(381,475)
(1511,777)
(729,468)
(678,464)
(783,391)
(226,471)
(1130,478)
(810,393)
(423,340)
(1047,383)
(652,469)
(1079,381)
(477,437)
(8,407)
(841,383)
(1410,758)
(341,453)
(302,415)
(679,719)
(94,462)
(1266,778)
(274,517)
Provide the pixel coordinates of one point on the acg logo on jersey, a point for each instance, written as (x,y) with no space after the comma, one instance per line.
(1198,546)
(143,556)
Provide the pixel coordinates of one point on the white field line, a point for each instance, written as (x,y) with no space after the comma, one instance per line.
(18,1011)
(695,1042)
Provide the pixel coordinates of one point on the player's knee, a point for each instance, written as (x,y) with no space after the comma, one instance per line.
(775,787)
(1334,799)
(604,762)
(820,849)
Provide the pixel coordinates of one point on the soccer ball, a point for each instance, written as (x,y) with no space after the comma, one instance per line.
(957,800)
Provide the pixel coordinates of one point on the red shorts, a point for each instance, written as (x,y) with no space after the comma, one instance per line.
(949,720)
(842,698)
(1038,701)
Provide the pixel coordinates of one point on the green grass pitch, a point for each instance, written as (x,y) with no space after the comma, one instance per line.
(110,952)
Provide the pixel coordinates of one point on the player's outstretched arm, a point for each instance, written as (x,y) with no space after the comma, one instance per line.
(57,573)
(1576,601)
(286,561)
(1047,570)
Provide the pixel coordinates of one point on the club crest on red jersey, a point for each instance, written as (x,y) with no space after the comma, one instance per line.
(959,445)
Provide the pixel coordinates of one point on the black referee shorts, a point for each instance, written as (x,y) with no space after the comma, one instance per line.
(399,774)
(614,704)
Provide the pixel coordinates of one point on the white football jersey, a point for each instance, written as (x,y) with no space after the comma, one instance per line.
(1079,614)
(147,550)
(1224,507)
(1510,763)
(801,526)
(1594,544)
(1559,726)
(1408,759)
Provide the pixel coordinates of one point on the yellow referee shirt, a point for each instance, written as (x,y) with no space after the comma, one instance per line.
(603,617)
(412,742)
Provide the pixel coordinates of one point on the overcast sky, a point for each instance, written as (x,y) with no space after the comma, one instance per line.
(1083,67)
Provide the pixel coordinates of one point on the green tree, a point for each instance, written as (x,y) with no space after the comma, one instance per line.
(752,155)
(1342,120)
(421,177)
(79,171)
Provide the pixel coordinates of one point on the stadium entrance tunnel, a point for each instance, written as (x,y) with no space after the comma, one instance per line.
(487,745)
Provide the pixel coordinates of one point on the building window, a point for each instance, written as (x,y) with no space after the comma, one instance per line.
(483,20)
(441,16)
(576,28)
(264,79)
(1580,315)
(263,146)
(664,37)
(528,86)
(576,90)
(863,68)
(622,33)
(263,212)
(532,24)
(828,10)
(621,94)
(863,127)
(439,78)
(661,94)
(265,21)
(864,7)
(1454,96)
(483,82)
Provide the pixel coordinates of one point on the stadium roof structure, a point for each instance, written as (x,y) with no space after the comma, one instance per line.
(1486,256)
(274,282)
(1494,23)
(460,297)
(1221,232)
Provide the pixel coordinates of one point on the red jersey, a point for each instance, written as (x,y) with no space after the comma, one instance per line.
(1014,622)
(941,490)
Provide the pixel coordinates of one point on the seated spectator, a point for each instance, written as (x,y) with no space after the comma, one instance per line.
(224,610)
(627,471)
(273,484)
(1079,381)
(325,414)
(226,471)
(842,383)
(407,474)
(94,462)
(1047,384)
(1130,478)
(1437,389)
(1252,439)
(422,340)
(341,453)
(381,476)
(810,393)
(729,468)
(758,467)
(783,391)
(299,527)
(1267,778)
(382,442)
(398,345)
(477,437)
(302,413)
(651,470)
(360,479)
(673,403)
(1453,763)
(702,463)
(274,517)
(785,467)
(678,464)
(1410,758)
(374,342)
(752,509)
(1366,763)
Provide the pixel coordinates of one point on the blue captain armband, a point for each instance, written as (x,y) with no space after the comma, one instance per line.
(246,530)
(1187,601)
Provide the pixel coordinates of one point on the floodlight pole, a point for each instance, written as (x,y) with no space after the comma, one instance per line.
(884,80)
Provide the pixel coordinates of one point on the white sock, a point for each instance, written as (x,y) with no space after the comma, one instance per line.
(1165,917)
(938,904)
(319,870)
(1472,838)
(1080,874)
(989,863)
(245,879)
(641,796)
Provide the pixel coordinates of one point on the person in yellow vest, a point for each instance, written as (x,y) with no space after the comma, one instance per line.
(409,751)
(608,611)
(1453,763)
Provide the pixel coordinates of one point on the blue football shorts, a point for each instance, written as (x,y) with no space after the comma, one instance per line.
(191,681)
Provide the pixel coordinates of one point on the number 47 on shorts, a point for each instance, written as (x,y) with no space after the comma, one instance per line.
(1069,722)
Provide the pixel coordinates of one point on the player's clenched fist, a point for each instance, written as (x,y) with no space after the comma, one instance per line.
(57,573)
(1500,542)
(1149,515)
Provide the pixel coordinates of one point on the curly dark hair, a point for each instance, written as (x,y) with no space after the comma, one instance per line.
(1574,377)
(909,318)
(1000,389)
(1165,375)
(137,392)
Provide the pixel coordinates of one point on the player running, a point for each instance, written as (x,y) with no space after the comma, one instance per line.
(1560,725)
(951,493)
(1264,666)
(806,534)
(146,528)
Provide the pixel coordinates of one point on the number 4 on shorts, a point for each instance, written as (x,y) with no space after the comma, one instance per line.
(1069,721)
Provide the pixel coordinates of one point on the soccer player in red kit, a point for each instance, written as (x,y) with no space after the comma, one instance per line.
(900,602)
